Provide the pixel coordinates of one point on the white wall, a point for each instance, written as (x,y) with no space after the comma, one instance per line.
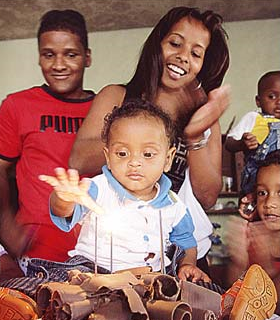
(254,48)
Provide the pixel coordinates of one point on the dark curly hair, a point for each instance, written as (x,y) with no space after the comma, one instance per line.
(272,158)
(133,108)
(64,20)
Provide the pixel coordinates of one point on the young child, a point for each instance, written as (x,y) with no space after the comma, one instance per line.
(259,241)
(37,129)
(257,133)
(133,192)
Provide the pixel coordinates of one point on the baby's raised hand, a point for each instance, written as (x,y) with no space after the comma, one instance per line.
(67,184)
(69,188)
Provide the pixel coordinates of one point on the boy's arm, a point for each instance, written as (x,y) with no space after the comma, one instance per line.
(187,268)
(276,282)
(182,235)
(233,145)
(12,236)
(247,142)
(189,258)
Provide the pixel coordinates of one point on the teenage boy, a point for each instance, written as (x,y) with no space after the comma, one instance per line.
(37,129)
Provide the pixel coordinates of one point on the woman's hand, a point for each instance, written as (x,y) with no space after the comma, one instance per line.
(209,113)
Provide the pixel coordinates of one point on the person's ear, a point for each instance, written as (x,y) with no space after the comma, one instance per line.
(106,153)
(258,103)
(88,58)
(39,62)
(169,159)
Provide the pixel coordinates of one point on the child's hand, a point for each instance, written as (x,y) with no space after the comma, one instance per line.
(248,199)
(69,188)
(237,240)
(250,141)
(192,272)
(263,248)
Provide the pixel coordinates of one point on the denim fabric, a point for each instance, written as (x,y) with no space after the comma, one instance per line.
(271,143)
(40,271)
(58,271)
(175,254)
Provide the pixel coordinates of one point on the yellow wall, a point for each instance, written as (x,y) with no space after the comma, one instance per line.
(254,48)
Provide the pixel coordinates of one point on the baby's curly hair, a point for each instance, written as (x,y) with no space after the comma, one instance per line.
(133,108)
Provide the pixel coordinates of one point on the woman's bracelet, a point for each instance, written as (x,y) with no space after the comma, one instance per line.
(197,145)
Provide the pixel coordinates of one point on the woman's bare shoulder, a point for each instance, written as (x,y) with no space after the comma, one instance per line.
(114,91)
(107,98)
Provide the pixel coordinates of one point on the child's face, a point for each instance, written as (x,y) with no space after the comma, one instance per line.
(138,153)
(269,96)
(268,196)
(183,51)
(63,60)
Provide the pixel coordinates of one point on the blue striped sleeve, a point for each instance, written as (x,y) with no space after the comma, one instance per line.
(182,233)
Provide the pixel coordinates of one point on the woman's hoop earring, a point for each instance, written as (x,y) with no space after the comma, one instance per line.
(198,86)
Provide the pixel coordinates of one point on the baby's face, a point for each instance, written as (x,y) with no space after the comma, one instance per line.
(269,96)
(138,153)
(268,196)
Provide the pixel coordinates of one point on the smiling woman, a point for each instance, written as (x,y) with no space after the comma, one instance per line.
(183,51)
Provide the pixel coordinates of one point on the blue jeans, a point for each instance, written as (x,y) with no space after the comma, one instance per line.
(41,271)
(271,143)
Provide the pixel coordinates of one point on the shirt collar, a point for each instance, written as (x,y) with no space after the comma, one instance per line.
(163,198)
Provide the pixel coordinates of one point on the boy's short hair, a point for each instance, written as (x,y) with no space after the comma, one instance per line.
(264,77)
(64,20)
(133,108)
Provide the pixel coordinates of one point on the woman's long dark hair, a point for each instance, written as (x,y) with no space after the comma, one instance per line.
(147,76)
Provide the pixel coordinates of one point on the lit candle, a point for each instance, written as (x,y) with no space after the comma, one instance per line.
(95,249)
(161,245)
(112,224)
(111,251)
